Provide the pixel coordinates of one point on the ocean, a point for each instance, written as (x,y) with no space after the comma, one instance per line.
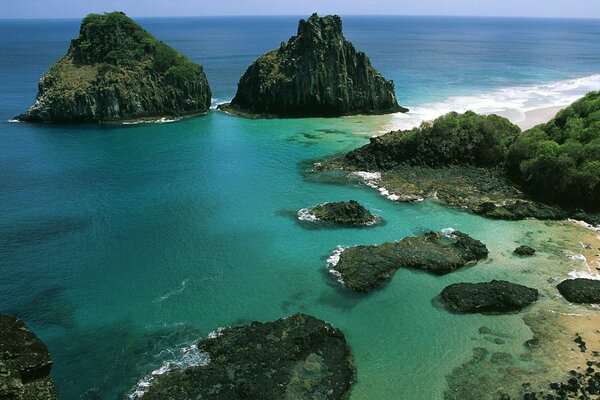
(123,245)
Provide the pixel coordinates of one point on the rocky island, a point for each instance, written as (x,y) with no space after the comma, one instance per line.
(349,213)
(487,165)
(299,357)
(116,71)
(364,268)
(488,297)
(24,363)
(317,73)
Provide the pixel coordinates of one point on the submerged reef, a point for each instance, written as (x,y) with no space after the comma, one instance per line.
(317,73)
(116,71)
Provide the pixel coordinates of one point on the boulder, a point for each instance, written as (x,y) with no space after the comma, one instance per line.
(580,290)
(524,251)
(493,297)
(343,213)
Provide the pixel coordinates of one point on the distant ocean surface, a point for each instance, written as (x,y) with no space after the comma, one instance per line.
(121,246)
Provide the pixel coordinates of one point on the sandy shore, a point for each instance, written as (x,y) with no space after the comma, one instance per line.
(537,116)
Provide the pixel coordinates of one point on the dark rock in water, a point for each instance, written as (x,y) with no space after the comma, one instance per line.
(24,363)
(363,268)
(580,290)
(580,342)
(299,357)
(524,251)
(343,213)
(520,209)
(117,71)
(316,73)
(494,296)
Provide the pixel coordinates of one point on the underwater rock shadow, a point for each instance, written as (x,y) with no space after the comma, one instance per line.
(48,307)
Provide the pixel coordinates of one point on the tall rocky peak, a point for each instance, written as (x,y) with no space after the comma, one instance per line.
(115,71)
(316,73)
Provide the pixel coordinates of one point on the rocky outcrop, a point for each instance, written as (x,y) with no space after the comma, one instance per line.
(116,71)
(524,251)
(299,357)
(580,290)
(316,73)
(350,213)
(364,268)
(488,297)
(24,363)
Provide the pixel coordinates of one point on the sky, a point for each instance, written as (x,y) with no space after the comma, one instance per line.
(157,8)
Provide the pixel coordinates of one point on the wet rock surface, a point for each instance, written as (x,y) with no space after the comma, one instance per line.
(24,363)
(116,71)
(316,73)
(524,251)
(488,297)
(299,357)
(364,268)
(580,290)
(344,213)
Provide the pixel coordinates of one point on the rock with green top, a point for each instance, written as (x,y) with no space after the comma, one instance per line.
(116,71)
(299,357)
(316,73)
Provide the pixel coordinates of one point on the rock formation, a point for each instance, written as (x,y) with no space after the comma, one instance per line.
(316,73)
(580,290)
(524,251)
(495,296)
(24,363)
(363,268)
(299,357)
(349,213)
(117,71)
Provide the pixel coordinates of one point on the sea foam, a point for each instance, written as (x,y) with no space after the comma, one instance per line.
(180,358)
(511,102)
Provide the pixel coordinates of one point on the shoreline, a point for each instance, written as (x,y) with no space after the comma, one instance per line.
(537,116)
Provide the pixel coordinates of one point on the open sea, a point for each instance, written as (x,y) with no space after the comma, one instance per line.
(122,245)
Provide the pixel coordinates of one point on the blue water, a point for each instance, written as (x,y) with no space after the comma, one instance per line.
(120,243)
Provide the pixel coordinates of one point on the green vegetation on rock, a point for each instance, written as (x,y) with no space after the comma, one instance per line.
(115,70)
(560,161)
(453,139)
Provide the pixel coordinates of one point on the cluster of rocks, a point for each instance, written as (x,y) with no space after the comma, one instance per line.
(24,363)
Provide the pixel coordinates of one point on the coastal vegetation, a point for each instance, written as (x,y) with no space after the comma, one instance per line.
(559,161)
(484,163)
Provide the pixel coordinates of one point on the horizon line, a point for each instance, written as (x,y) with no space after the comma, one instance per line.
(303,15)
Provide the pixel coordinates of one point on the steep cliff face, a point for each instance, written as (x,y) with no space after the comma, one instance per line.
(316,73)
(115,71)
(24,363)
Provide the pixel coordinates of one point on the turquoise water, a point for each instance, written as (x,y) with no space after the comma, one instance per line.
(120,244)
